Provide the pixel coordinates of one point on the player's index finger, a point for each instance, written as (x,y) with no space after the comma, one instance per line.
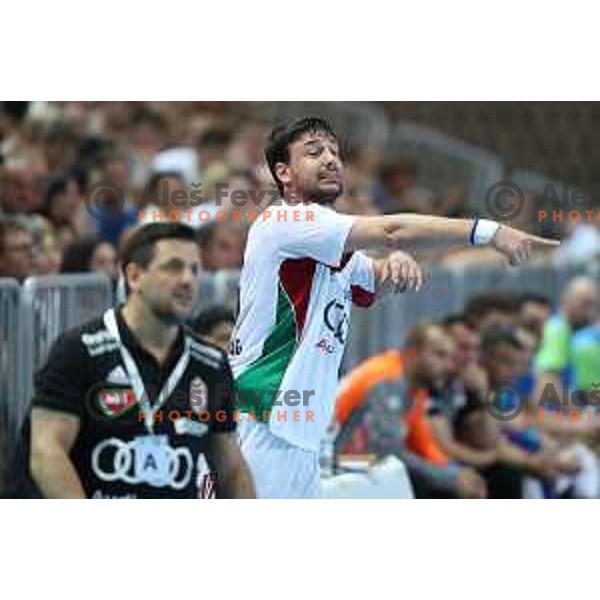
(546,242)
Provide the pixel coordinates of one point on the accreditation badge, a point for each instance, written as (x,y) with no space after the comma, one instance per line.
(152,454)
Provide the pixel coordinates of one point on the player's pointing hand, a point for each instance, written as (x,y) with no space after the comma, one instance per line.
(519,246)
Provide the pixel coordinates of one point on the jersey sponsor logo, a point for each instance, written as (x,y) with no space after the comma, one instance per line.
(115,402)
(326,345)
(135,463)
(336,320)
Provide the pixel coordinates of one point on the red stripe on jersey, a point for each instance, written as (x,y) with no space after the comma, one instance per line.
(361,297)
(296,276)
(345,260)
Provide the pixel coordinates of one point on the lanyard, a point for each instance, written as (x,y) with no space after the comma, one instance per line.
(134,375)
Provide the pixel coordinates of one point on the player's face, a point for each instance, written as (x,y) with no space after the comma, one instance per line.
(582,309)
(436,358)
(170,283)
(315,169)
(533,317)
(467,344)
(504,364)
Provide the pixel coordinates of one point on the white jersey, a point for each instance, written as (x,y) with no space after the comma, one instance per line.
(296,292)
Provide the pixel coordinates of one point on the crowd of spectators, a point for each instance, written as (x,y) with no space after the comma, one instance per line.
(162,156)
(498,402)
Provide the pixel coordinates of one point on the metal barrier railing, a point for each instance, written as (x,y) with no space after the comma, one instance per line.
(50,305)
(445,162)
(386,325)
(11,358)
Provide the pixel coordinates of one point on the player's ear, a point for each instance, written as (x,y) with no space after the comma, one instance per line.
(133,272)
(283,173)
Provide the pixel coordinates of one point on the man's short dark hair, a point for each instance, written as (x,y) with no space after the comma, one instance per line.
(282,136)
(139,248)
(210,318)
(533,298)
(500,335)
(455,319)
(480,306)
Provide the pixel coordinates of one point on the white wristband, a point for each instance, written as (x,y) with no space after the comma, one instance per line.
(484,233)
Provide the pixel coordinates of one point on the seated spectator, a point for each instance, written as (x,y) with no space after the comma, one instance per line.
(48,254)
(163,192)
(396,178)
(534,312)
(147,131)
(376,394)
(555,366)
(17,248)
(487,310)
(113,204)
(506,355)
(90,254)
(222,246)
(462,425)
(63,201)
(216,325)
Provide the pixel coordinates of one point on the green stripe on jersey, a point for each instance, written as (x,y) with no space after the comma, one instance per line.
(257,385)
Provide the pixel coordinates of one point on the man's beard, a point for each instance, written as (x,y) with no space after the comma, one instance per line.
(166,315)
(325,198)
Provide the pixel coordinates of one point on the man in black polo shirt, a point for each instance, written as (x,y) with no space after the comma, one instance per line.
(133,404)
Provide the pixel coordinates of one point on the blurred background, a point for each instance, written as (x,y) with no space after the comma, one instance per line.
(58,266)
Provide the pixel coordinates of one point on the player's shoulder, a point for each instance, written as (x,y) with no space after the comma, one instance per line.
(90,338)
(205,352)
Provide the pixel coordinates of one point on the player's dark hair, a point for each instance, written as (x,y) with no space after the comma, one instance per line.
(139,248)
(210,318)
(282,136)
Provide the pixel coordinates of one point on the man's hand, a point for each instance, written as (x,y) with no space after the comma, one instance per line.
(544,466)
(475,379)
(470,485)
(399,273)
(568,463)
(519,246)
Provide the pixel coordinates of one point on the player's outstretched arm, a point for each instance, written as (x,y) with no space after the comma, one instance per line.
(53,434)
(405,231)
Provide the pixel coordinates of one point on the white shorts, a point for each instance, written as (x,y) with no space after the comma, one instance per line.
(280,470)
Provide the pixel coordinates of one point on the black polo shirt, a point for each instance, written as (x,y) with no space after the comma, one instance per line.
(113,453)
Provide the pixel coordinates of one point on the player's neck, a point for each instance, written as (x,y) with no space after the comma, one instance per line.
(154,335)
